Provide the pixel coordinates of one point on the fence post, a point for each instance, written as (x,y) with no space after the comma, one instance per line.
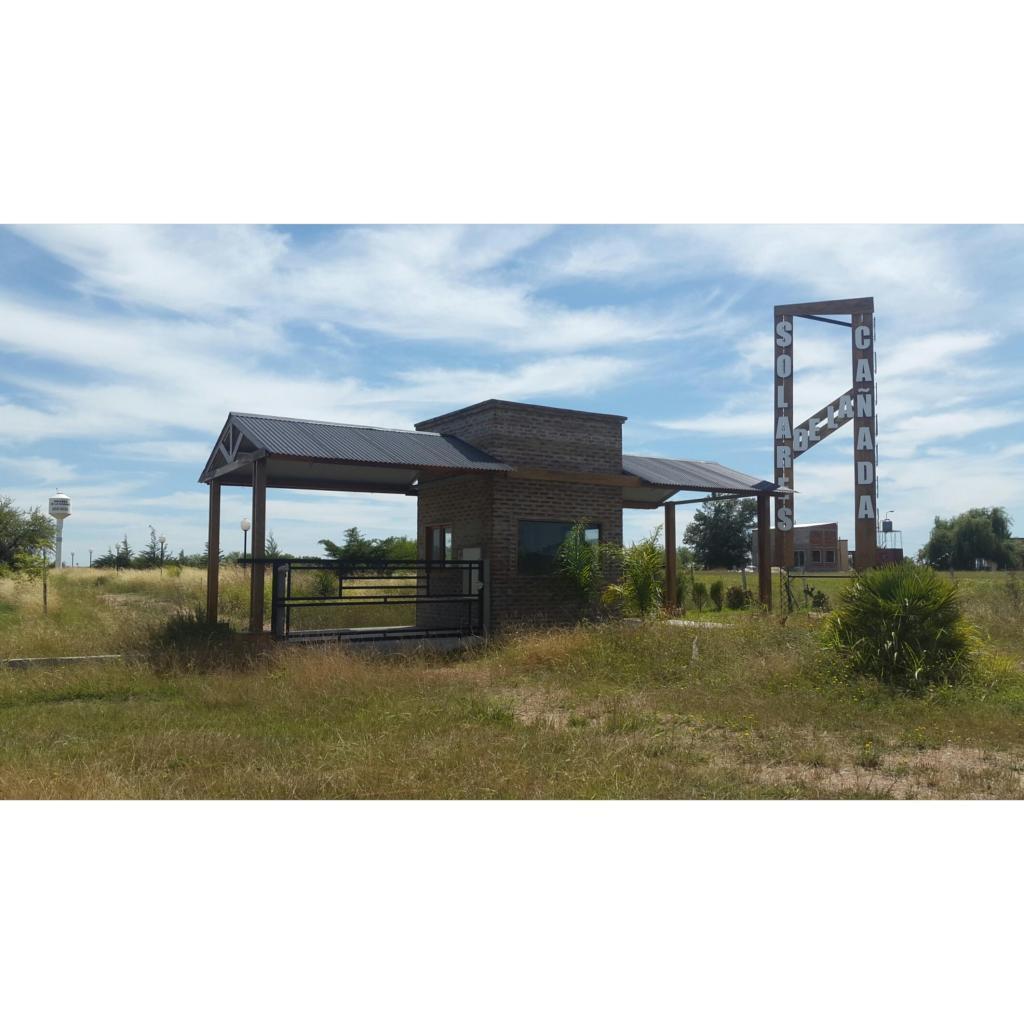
(278,610)
(485,597)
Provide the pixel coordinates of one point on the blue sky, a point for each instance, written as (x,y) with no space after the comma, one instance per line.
(123,349)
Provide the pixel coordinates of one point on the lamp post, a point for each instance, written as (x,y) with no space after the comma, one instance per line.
(245,524)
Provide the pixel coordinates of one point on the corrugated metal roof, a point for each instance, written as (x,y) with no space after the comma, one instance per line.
(345,442)
(684,474)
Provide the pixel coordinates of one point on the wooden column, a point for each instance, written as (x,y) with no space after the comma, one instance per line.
(670,558)
(259,539)
(213,553)
(764,550)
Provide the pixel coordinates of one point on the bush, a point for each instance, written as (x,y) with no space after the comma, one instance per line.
(700,594)
(717,594)
(682,591)
(643,578)
(186,642)
(902,624)
(173,570)
(325,584)
(737,598)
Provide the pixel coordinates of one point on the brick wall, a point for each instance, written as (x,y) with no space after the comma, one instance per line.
(463,503)
(537,435)
(484,510)
(548,600)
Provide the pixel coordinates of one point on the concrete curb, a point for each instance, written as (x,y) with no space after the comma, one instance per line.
(55,662)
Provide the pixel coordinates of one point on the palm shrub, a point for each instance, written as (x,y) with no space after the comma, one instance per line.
(581,562)
(903,625)
(643,577)
(682,591)
(700,594)
(717,594)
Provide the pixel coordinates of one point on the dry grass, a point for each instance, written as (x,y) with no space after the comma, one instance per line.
(611,711)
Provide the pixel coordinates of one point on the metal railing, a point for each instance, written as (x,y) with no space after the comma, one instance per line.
(442,598)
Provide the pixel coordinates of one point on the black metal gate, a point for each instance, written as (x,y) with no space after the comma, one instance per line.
(392,599)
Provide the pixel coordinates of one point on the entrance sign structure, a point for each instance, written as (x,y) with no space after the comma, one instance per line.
(856,406)
(481,476)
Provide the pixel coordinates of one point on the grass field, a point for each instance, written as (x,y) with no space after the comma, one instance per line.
(755,710)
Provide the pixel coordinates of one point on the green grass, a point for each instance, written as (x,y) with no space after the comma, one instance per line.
(611,711)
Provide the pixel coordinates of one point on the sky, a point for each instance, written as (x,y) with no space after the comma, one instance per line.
(123,348)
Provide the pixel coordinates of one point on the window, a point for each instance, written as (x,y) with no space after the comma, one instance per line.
(539,543)
(439,543)
(799,557)
(816,556)
(830,557)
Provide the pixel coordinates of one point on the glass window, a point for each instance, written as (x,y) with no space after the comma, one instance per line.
(830,556)
(798,557)
(539,543)
(816,556)
(439,543)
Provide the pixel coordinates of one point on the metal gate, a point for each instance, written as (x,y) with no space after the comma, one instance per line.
(392,599)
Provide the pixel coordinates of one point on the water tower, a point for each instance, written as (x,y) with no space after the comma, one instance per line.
(60,509)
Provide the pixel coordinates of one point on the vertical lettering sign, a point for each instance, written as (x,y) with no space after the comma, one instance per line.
(864,441)
(856,406)
(783,403)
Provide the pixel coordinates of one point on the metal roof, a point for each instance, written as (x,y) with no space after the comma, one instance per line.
(345,442)
(688,475)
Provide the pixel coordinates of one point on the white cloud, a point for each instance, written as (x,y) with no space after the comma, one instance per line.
(198,270)
(207,316)
(167,450)
(38,469)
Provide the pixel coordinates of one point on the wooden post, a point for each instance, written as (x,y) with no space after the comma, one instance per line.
(259,539)
(213,554)
(670,558)
(764,552)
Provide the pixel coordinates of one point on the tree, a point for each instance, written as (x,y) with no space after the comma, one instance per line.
(719,533)
(25,532)
(358,548)
(107,561)
(123,554)
(273,550)
(151,555)
(202,561)
(957,542)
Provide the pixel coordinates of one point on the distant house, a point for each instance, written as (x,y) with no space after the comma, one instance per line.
(817,547)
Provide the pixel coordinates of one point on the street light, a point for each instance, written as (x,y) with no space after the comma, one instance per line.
(245,538)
